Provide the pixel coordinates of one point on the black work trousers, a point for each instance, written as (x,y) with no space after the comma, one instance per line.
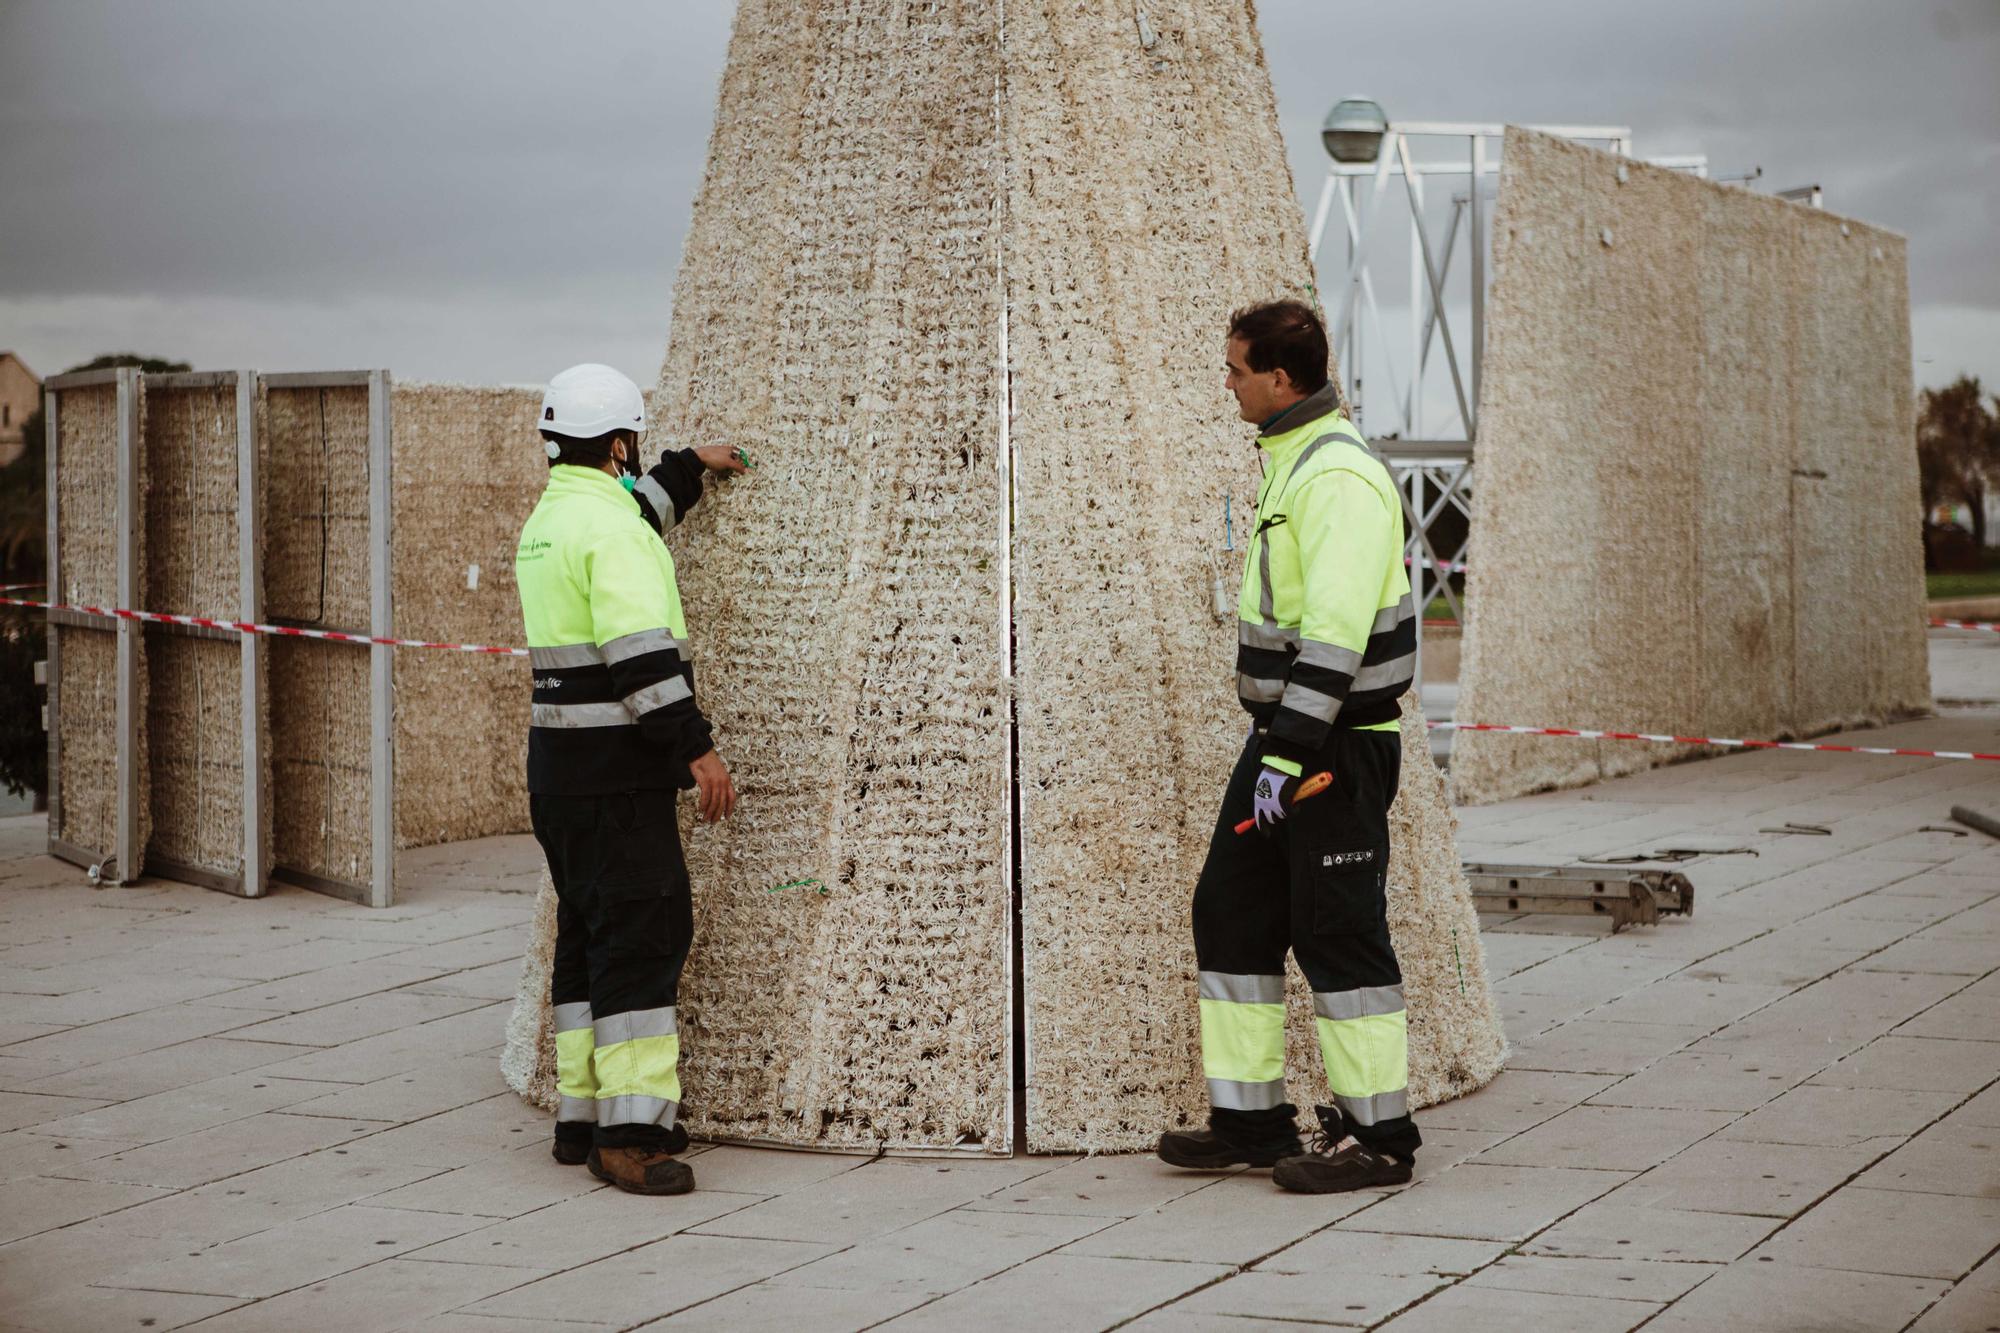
(624,920)
(1317,885)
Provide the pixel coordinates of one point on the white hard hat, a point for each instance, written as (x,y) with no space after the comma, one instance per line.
(590,400)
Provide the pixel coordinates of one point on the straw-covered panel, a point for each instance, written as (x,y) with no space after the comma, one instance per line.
(195,696)
(315,478)
(1694,474)
(837,314)
(469,465)
(320,759)
(194,710)
(87,727)
(87,527)
(1859,650)
(1148,196)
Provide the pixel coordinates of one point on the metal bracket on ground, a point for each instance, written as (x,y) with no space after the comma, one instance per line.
(1973,819)
(1628,897)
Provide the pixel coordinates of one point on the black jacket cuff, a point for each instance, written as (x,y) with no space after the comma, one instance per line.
(1276,746)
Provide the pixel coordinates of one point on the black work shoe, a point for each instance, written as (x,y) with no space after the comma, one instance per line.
(574,1151)
(1337,1163)
(1205,1150)
(641,1170)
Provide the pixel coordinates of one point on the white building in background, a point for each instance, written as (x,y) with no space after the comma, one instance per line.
(20,395)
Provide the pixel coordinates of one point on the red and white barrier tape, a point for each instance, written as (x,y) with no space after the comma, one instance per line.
(20,587)
(1727,741)
(246,627)
(1990,626)
(290,631)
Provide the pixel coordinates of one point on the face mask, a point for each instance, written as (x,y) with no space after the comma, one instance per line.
(628,481)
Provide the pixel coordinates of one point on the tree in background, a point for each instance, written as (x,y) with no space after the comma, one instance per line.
(1958,449)
(24,552)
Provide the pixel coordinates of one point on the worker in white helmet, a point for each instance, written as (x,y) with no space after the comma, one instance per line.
(615,735)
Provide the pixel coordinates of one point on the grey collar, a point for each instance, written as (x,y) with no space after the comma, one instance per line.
(1323,402)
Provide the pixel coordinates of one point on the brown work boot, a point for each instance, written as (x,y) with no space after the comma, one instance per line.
(641,1170)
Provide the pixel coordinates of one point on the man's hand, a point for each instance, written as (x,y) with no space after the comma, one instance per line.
(717,793)
(1271,801)
(721,457)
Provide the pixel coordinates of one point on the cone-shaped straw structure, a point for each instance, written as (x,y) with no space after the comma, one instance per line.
(958,278)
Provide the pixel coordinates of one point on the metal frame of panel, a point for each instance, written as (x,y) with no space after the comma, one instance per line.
(250,605)
(129,518)
(52,541)
(381,670)
(119,864)
(380,889)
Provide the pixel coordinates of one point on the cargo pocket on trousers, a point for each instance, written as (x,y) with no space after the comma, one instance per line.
(1349,887)
(644,920)
(644,887)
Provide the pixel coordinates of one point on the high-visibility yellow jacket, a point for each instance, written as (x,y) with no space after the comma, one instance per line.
(1326,632)
(614,707)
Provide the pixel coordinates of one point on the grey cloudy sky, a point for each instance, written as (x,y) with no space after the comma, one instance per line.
(488,190)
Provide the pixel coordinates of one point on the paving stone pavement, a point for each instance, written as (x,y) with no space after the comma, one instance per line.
(1781,1113)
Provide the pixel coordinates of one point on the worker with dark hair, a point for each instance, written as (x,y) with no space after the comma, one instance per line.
(1326,643)
(614,736)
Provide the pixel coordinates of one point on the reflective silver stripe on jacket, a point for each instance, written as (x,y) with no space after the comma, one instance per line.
(1329,655)
(656,496)
(1384,674)
(658,695)
(1273,637)
(1366,1002)
(1391,616)
(570,1017)
(576,1109)
(580,715)
(1242,988)
(1304,699)
(565,655)
(1230,1095)
(1259,691)
(628,646)
(635,1023)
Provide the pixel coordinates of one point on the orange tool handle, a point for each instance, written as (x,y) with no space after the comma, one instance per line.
(1312,786)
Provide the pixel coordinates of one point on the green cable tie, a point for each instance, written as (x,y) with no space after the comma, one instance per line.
(743,456)
(814,884)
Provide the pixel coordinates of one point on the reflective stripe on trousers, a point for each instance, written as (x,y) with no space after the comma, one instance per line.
(1363,1036)
(576,1082)
(637,1063)
(1364,1041)
(622,1069)
(1243,1039)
